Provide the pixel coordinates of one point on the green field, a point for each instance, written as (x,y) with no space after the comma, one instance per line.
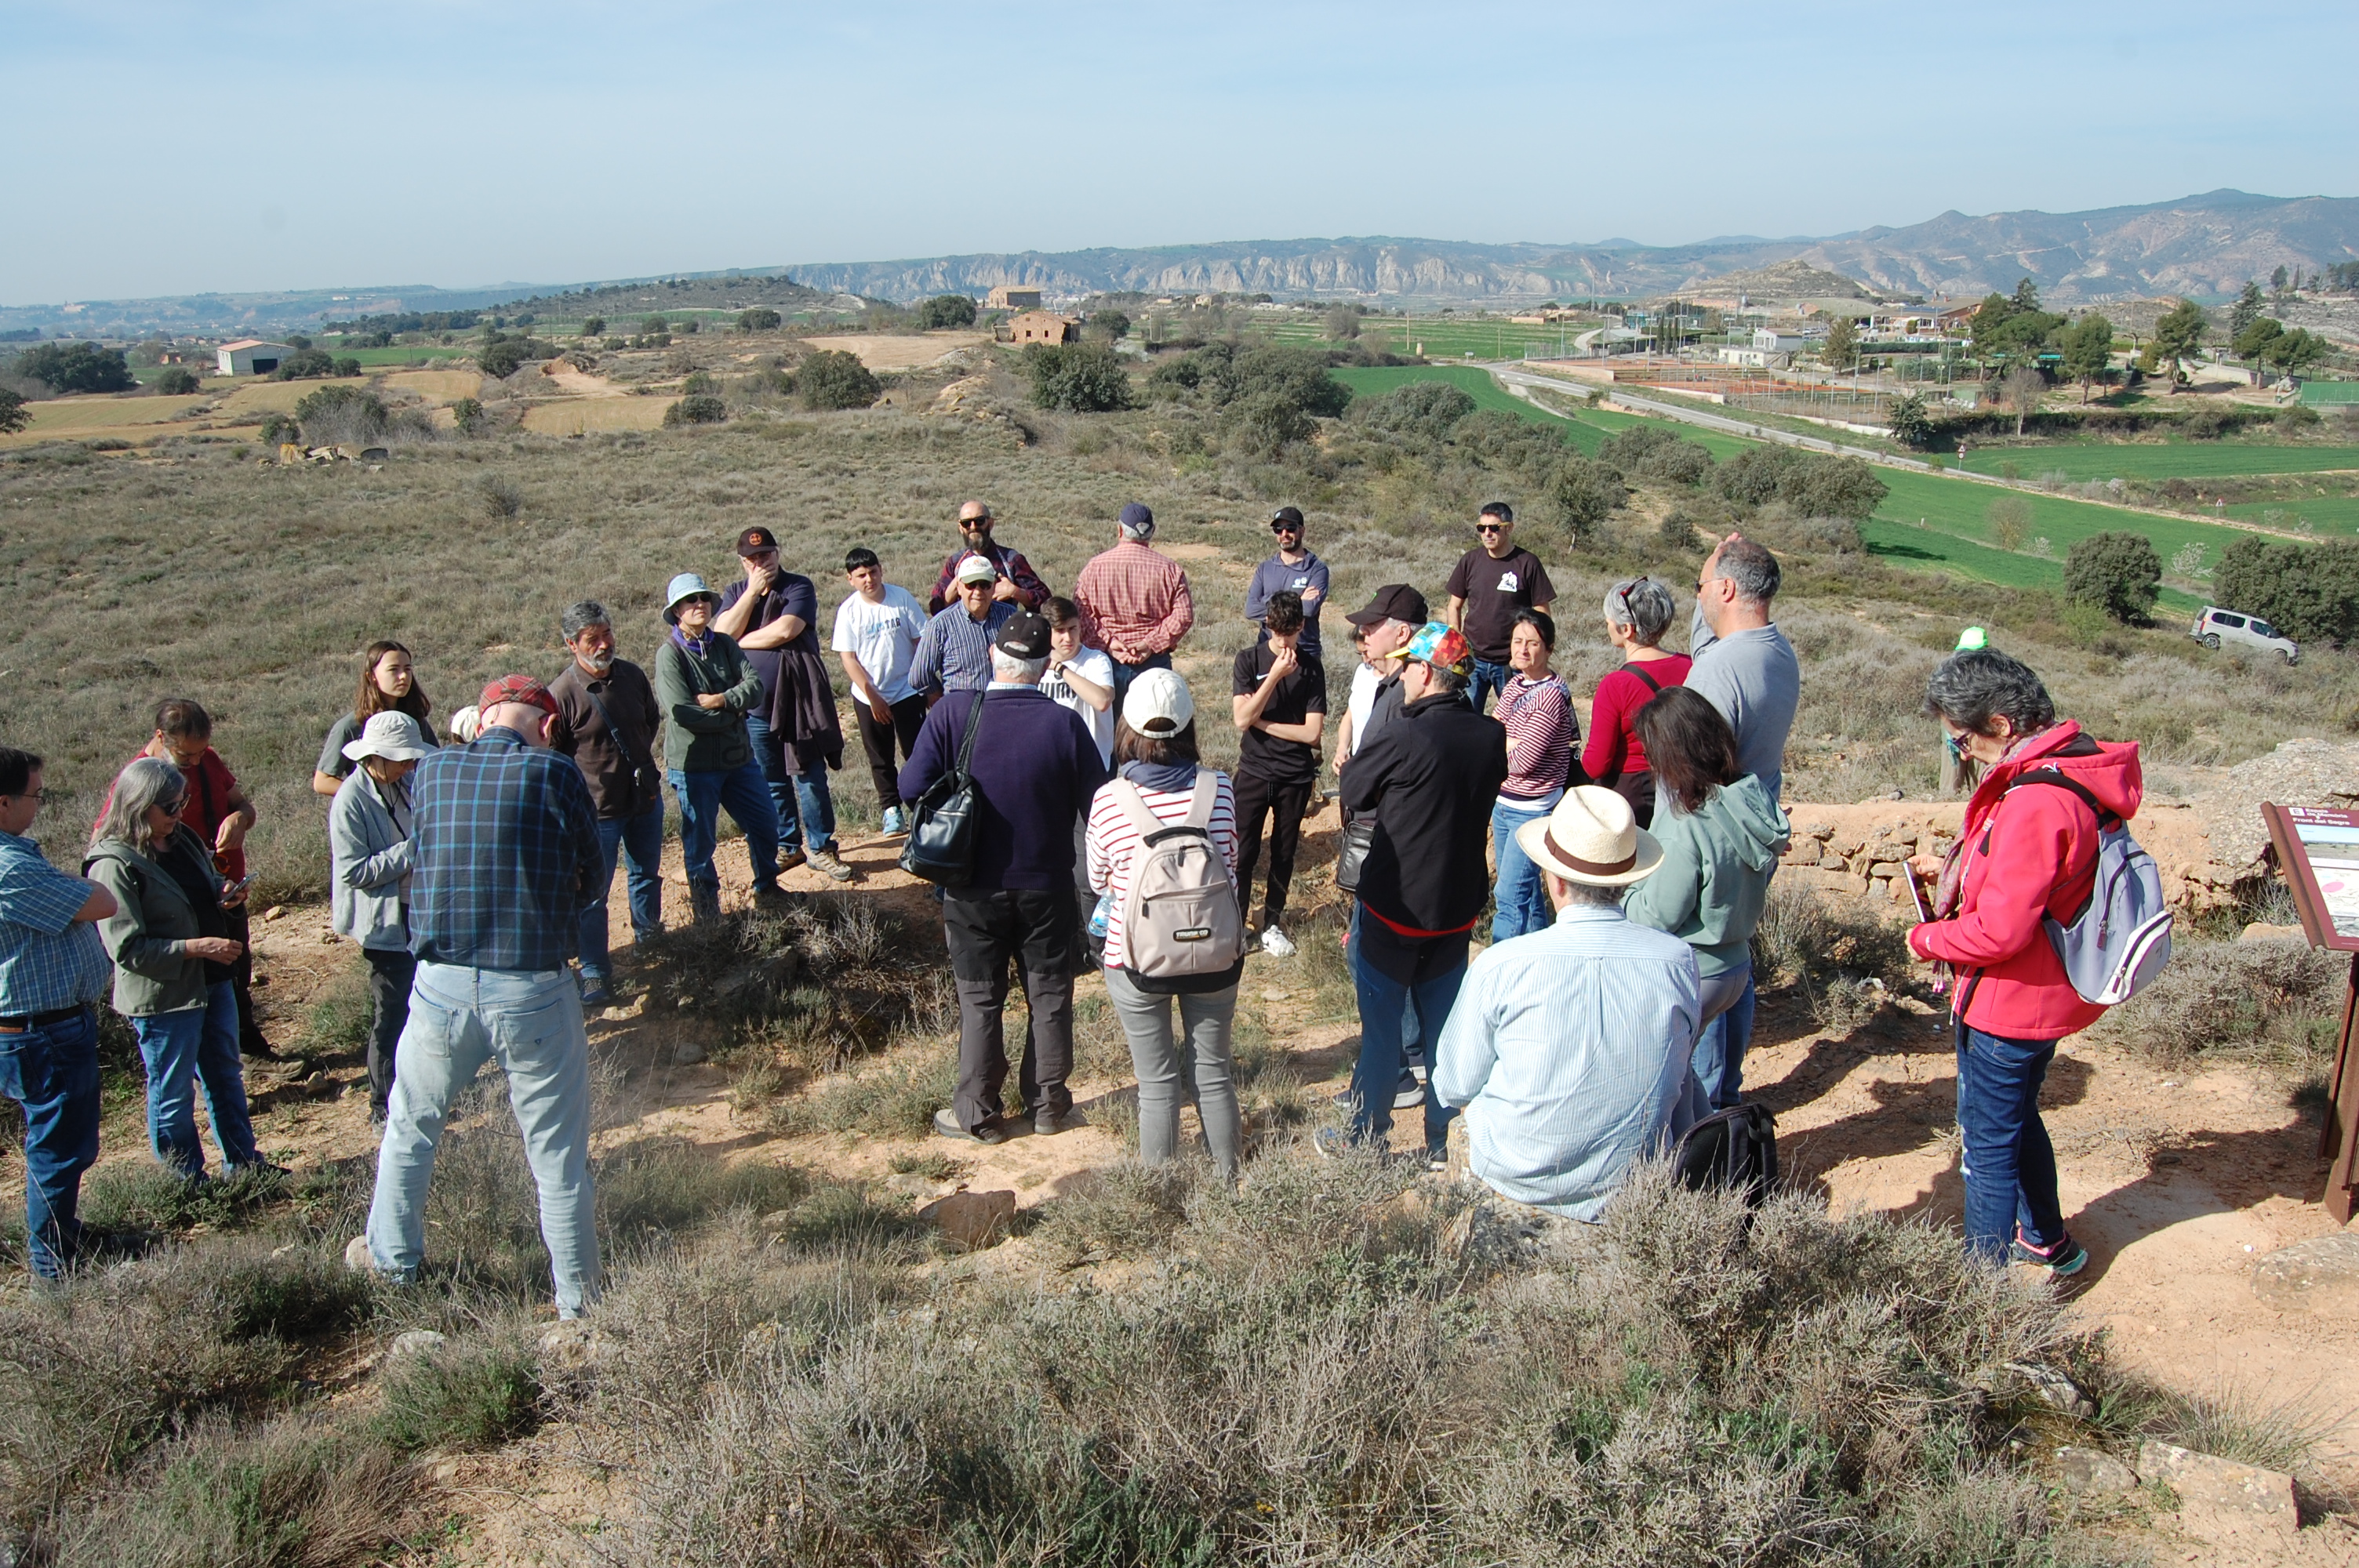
(2324,514)
(1585,429)
(399,353)
(2174,460)
(1490,338)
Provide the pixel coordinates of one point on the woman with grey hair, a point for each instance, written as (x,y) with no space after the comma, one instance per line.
(2027,852)
(173,957)
(1637,613)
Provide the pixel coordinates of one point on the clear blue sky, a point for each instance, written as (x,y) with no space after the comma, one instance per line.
(235,145)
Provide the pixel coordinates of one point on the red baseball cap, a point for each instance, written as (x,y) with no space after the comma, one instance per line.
(516,688)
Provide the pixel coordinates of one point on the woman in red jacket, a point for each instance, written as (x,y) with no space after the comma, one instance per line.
(2027,850)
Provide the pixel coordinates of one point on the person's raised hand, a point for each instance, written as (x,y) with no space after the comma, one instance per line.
(214,949)
(1003,589)
(1284,662)
(1927,865)
(1711,562)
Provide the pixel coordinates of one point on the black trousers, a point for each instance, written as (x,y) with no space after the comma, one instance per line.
(1283,805)
(251,1041)
(987,930)
(877,740)
(390,974)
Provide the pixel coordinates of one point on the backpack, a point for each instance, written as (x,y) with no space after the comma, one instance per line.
(2119,940)
(1182,930)
(1735,1150)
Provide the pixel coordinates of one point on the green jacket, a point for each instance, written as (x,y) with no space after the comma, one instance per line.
(148,934)
(706,739)
(1716,874)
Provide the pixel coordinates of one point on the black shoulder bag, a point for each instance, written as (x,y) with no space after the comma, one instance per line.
(940,846)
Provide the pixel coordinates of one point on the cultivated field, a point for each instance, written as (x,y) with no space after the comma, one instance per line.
(2159,460)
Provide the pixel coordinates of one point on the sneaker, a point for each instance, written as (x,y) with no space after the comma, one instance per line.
(1274,943)
(825,863)
(1438,1159)
(1046,1123)
(897,822)
(770,894)
(2067,1256)
(1408,1094)
(946,1125)
(1416,1071)
(789,859)
(594,993)
(259,1167)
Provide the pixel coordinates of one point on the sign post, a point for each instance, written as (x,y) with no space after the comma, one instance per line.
(2317,850)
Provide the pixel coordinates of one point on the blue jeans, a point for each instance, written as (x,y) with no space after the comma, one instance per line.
(1522,893)
(1125,674)
(531,1022)
(640,838)
(742,792)
(187,1051)
(806,809)
(1390,973)
(2008,1164)
(52,1072)
(1490,680)
(1720,1051)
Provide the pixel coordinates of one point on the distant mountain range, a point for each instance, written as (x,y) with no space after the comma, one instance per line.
(2204,246)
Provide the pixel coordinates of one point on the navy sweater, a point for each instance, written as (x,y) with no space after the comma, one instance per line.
(1035,769)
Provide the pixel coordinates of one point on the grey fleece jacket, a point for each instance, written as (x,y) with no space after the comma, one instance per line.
(1716,874)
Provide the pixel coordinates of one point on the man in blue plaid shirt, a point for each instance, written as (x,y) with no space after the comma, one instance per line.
(52,967)
(506,856)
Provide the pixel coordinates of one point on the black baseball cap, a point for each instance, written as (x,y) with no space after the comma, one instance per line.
(1291,516)
(1394,602)
(1024,636)
(755,540)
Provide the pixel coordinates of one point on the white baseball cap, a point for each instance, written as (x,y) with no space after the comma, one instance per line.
(974,568)
(1159,704)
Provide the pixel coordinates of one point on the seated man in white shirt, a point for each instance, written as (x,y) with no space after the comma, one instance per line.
(1569,1047)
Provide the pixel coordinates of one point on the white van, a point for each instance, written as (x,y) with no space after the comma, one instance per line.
(2216,626)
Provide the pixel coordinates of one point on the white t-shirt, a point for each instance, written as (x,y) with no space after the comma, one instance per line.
(1096,667)
(882,637)
(1365,681)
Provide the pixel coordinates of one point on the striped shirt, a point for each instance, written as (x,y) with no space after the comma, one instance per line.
(954,650)
(1134,603)
(1113,845)
(47,961)
(1541,733)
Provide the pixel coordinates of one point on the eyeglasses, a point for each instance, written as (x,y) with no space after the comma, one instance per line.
(1490,527)
(41,796)
(173,808)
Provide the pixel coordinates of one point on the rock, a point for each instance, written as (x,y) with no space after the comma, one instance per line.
(2054,1388)
(2219,1495)
(686,1053)
(1886,869)
(275,912)
(2259,932)
(417,1342)
(1833,863)
(1273,994)
(2318,1275)
(777,1222)
(909,1185)
(571,1346)
(972,1220)
(2092,1472)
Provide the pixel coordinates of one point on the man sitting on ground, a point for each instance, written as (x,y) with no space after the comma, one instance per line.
(1569,1047)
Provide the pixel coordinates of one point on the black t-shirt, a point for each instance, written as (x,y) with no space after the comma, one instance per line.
(1297,696)
(180,858)
(1493,593)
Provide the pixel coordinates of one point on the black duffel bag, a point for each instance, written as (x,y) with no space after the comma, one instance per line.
(941,846)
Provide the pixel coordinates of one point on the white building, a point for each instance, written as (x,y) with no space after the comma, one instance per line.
(251,356)
(1756,358)
(1770,340)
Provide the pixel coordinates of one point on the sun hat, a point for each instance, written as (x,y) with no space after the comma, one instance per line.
(1394,602)
(1591,838)
(1137,522)
(687,585)
(466,724)
(1159,704)
(1436,644)
(393,735)
(976,569)
(516,688)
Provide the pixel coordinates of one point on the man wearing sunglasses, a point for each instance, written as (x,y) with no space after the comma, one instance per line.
(1294,569)
(1492,583)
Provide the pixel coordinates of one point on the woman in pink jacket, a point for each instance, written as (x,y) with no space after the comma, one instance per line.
(2027,850)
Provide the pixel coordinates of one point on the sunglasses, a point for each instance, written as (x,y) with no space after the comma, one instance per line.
(173,808)
(1286,527)
(1490,527)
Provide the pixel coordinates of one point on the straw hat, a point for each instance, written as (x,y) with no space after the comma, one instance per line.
(391,734)
(1591,838)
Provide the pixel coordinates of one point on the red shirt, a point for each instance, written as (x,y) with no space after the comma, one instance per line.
(1614,748)
(210,784)
(1134,603)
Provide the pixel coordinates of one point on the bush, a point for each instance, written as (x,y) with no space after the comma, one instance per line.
(833,379)
(2118,572)
(1807,482)
(653,325)
(759,318)
(1084,377)
(1585,492)
(595,327)
(945,310)
(1115,324)
(463,1394)
(177,381)
(2309,592)
(697,408)
(503,359)
(468,415)
(348,367)
(344,414)
(1267,423)
(2010,517)
(2271,1001)
(1650,451)
(76,367)
(691,325)
(1422,414)
(501,498)
(306,364)
(279,430)
(14,415)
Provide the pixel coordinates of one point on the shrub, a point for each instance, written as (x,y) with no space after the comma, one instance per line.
(653,325)
(14,415)
(501,498)
(1115,324)
(505,358)
(1084,377)
(2119,572)
(306,364)
(2311,592)
(945,310)
(1585,492)
(279,429)
(697,408)
(759,318)
(177,381)
(1808,483)
(76,367)
(348,367)
(467,414)
(462,1394)
(1650,451)
(2010,522)
(1423,412)
(595,327)
(341,414)
(1267,423)
(691,325)
(833,379)
(2273,1000)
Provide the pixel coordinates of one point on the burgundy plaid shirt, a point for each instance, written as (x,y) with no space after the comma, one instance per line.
(1134,603)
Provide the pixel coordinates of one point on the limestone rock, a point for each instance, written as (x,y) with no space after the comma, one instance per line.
(571,1348)
(2219,1494)
(972,1220)
(2318,1275)
(910,1185)
(686,1053)
(2092,1472)
(417,1342)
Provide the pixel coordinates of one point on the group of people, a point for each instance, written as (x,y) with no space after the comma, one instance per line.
(1611,1010)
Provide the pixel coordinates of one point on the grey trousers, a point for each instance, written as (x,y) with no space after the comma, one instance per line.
(1156,1058)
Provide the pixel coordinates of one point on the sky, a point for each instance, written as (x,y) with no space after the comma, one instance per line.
(172,148)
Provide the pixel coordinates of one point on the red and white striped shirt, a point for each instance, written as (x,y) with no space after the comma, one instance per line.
(1541,734)
(1114,844)
(1134,601)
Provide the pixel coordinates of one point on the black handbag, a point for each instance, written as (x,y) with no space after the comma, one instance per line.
(941,846)
(1352,852)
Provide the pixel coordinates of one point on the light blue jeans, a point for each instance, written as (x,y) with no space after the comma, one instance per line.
(1522,893)
(531,1022)
(188,1052)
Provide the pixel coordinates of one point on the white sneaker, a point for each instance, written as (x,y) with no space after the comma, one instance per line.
(1274,943)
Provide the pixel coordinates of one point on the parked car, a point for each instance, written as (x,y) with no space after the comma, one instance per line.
(2216,626)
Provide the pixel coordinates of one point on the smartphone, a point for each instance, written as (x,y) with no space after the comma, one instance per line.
(1916,894)
(230,890)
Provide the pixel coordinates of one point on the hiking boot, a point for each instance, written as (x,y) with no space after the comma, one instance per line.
(704,905)
(2068,1256)
(1408,1094)
(770,895)
(1046,1123)
(594,990)
(789,859)
(946,1125)
(1274,943)
(825,863)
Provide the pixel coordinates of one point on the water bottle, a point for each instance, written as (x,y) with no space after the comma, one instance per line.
(1101,915)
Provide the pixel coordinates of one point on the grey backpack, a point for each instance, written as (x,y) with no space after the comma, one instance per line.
(1182,930)
(2113,947)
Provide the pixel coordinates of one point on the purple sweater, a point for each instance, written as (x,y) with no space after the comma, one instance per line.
(1035,769)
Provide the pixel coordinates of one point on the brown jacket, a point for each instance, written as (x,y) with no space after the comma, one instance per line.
(624,779)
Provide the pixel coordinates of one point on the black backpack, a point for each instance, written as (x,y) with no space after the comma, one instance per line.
(1735,1150)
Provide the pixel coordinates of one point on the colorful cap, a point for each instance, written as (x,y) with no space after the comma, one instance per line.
(516,688)
(1436,644)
